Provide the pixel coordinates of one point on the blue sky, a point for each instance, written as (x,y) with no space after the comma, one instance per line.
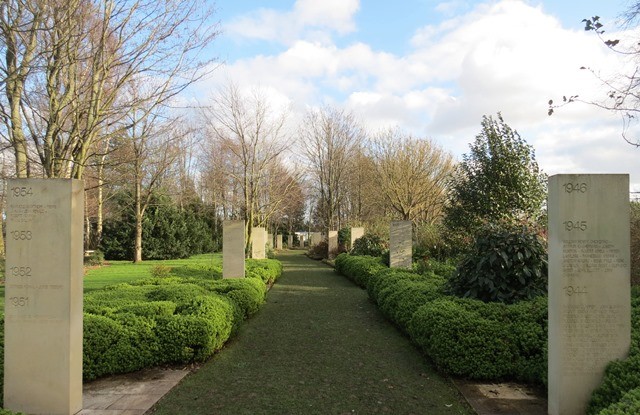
(434,68)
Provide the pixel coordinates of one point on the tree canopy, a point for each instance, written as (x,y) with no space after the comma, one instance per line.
(499,179)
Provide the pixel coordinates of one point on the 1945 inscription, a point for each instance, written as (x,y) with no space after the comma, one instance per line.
(590,256)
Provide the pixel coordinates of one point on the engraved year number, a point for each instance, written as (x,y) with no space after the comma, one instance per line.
(575,187)
(575,225)
(571,290)
(20,271)
(21,235)
(19,301)
(21,191)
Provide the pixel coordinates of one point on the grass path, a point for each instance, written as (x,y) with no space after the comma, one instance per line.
(318,346)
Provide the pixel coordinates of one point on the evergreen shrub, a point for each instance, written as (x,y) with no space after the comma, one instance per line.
(507,263)
(369,244)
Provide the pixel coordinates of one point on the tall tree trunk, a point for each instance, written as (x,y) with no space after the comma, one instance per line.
(100,202)
(87,223)
(137,249)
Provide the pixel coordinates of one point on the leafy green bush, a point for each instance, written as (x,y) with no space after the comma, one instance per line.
(507,263)
(94,258)
(150,309)
(430,265)
(344,236)
(319,251)
(431,242)
(169,231)
(248,294)
(369,244)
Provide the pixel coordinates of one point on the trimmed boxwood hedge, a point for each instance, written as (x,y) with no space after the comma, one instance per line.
(490,341)
(483,340)
(166,320)
(463,337)
(359,271)
(621,376)
(628,404)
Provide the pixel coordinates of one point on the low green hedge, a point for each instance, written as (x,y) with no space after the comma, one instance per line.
(463,337)
(621,376)
(483,340)
(266,270)
(166,320)
(628,404)
(359,271)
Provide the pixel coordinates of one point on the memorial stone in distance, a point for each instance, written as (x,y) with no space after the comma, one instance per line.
(356,233)
(400,244)
(233,249)
(258,243)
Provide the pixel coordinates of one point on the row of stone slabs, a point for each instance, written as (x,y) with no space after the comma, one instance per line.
(233,244)
(589,292)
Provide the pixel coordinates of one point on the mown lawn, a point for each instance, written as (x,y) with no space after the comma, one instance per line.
(114,272)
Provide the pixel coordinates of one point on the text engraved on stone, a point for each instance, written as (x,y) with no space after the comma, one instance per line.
(590,256)
(591,335)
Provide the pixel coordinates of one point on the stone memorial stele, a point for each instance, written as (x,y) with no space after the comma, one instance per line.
(400,244)
(355,234)
(332,246)
(279,241)
(290,241)
(316,238)
(270,240)
(43,296)
(258,243)
(301,240)
(233,249)
(589,288)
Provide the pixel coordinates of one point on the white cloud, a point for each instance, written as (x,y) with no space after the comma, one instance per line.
(309,19)
(502,56)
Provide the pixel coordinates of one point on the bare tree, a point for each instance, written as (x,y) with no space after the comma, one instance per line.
(330,139)
(68,67)
(251,131)
(363,202)
(20,24)
(281,197)
(411,174)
